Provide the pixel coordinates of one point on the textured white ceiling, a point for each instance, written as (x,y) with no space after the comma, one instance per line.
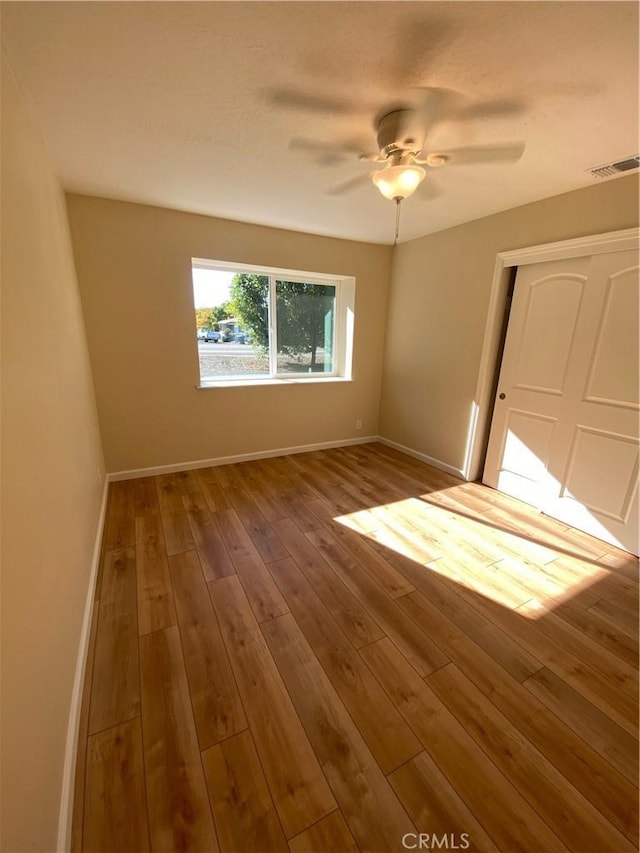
(173,104)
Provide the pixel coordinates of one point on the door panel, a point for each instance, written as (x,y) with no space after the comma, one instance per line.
(552,309)
(617,345)
(565,435)
(525,454)
(530,381)
(601,472)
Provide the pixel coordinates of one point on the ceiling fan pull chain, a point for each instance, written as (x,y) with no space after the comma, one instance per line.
(397,201)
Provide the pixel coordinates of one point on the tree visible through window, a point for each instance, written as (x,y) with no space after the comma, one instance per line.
(306,317)
(259,325)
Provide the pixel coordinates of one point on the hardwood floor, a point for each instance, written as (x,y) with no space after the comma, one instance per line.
(339,650)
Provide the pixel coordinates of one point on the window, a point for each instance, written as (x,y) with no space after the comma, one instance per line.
(256,324)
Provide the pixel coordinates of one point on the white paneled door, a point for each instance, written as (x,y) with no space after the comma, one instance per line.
(564,435)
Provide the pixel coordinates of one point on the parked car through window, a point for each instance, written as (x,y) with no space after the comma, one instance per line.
(208,335)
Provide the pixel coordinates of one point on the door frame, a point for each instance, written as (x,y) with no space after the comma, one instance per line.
(491,355)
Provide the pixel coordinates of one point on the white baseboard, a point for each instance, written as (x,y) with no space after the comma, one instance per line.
(73,729)
(281,451)
(241,457)
(428,460)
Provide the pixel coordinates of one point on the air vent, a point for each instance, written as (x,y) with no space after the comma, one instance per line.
(609,169)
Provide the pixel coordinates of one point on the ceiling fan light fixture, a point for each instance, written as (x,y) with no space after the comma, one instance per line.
(398,181)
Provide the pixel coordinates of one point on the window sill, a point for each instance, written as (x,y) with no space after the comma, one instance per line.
(299,380)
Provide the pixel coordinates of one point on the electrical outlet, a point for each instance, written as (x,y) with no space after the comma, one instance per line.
(358,423)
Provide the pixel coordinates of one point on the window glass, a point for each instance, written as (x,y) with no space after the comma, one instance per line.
(226,347)
(251,324)
(305,327)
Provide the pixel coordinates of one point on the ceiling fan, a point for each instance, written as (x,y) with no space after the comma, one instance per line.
(404,127)
(401,140)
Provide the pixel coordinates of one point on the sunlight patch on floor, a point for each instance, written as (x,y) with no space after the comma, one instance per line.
(476,550)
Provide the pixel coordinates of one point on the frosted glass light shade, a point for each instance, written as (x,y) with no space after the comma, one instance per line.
(398,181)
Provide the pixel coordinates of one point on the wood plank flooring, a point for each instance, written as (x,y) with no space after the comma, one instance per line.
(335,651)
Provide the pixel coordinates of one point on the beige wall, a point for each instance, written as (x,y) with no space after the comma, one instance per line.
(52,478)
(438,305)
(134,269)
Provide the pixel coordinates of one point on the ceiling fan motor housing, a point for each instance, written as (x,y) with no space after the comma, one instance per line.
(398,133)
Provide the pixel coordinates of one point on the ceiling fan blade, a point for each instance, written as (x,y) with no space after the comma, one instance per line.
(309,102)
(299,143)
(435,106)
(440,105)
(332,153)
(472,154)
(351,184)
(436,102)
(490,109)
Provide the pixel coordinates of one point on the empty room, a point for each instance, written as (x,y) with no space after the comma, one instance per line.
(320,446)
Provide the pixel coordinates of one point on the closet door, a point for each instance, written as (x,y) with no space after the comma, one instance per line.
(564,435)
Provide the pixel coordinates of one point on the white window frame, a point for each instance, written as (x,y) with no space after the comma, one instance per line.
(342,332)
